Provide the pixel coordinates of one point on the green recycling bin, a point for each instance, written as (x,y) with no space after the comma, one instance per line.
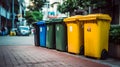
(61,34)
(50,35)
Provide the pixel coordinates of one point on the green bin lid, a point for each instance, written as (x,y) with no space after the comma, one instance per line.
(96,17)
(72,18)
(55,20)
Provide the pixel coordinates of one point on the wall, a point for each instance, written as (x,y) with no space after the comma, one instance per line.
(114,50)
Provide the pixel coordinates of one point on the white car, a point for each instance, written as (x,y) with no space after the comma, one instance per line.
(23,30)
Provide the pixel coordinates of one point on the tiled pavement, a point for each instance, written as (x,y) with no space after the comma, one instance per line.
(31,56)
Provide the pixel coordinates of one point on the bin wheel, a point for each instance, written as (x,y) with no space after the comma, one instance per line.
(104,54)
(82,50)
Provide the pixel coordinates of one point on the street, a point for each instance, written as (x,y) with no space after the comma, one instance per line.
(17,40)
(19,51)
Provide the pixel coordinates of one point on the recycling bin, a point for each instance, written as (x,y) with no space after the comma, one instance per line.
(42,33)
(36,34)
(61,34)
(50,35)
(96,33)
(75,34)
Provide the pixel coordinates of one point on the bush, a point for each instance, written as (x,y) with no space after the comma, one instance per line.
(115,33)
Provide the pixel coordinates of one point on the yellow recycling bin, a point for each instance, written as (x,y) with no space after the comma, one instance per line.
(96,33)
(75,35)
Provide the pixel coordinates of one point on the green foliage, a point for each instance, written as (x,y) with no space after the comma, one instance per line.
(68,6)
(37,5)
(33,16)
(115,33)
(30,17)
(71,5)
(62,8)
(84,3)
(38,15)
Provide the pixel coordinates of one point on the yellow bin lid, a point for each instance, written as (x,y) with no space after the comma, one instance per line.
(72,18)
(96,17)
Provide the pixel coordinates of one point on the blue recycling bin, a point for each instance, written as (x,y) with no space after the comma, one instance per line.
(42,30)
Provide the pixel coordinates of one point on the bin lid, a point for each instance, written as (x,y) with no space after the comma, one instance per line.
(40,22)
(72,18)
(55,20)
(96,17)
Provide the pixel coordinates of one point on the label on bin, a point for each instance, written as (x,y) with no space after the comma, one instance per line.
(89,29)
(71,28)
(57,28)
(40,29)
(47,28)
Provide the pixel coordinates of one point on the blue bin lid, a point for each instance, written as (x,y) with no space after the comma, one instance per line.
(40,22)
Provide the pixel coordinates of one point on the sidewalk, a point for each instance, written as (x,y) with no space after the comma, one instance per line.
(31,56)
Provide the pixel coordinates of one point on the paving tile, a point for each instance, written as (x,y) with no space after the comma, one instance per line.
(23,65)
(31,56)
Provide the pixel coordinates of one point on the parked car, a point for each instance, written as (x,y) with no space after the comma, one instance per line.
(3,31)
(23,31)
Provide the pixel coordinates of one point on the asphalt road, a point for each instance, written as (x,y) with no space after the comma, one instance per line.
(17,40)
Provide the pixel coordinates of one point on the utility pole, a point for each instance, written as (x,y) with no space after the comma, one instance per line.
(12,32)
(13,16)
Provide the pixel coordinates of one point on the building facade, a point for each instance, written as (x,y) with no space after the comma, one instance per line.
(9,10)
(5,12)
(50,9)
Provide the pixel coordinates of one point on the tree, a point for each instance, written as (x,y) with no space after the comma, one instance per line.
(85,4)
(33,16)
(30,17)
(72,5)
(68,6)
(38,15)
(36,5)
